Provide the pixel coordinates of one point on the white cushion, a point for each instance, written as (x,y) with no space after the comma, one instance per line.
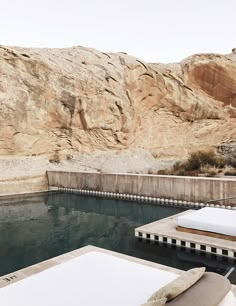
(91,279)
(217,220)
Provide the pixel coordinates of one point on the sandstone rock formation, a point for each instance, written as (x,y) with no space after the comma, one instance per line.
(79,100)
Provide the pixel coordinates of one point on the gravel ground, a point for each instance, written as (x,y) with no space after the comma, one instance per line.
(111,162)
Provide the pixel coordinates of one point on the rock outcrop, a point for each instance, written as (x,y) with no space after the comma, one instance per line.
(79,100)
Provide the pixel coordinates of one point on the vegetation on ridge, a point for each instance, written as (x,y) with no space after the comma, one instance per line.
(203,163)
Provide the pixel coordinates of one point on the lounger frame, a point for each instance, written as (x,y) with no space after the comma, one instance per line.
(205,233)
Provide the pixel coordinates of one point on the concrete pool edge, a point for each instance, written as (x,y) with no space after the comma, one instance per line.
(138,198)
(177,190)
(180,188)
(164,231)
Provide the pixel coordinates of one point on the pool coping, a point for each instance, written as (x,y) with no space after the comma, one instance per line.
(138,198)
(164,231)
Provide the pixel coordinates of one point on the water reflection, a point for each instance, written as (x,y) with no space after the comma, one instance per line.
(35,228)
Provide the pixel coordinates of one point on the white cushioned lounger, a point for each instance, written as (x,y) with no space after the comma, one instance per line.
(216,220)
(91,279)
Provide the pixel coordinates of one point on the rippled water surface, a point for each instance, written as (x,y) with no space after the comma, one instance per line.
(37,227)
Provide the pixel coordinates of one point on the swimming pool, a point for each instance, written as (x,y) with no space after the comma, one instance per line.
(37,227)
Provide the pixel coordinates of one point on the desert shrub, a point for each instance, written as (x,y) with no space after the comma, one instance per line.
(178,166)
(209,171)
(206,163)
(69,157)
(164,172)
(231,162)
(182,172)
(55,158)
(201,158)
(231,173)
(221,162)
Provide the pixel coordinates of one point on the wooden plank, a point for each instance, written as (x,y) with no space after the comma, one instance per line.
(205,233)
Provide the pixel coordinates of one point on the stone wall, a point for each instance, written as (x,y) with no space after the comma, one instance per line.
(194,189)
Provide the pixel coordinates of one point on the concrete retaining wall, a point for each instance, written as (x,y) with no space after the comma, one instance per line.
(28,184)
(193,189)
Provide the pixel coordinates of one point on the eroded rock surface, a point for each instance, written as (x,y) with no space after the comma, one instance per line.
(79,100)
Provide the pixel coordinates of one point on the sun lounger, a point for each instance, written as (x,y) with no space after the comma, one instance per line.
(215,222)
(92,279)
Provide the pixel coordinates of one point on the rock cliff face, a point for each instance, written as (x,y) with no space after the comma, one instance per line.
(78,99)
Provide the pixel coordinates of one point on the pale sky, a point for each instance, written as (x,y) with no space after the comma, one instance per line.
(153,30)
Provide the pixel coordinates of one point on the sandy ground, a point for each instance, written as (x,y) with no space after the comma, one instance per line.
(116,162)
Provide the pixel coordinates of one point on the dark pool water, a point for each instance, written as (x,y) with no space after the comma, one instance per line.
(38,227)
